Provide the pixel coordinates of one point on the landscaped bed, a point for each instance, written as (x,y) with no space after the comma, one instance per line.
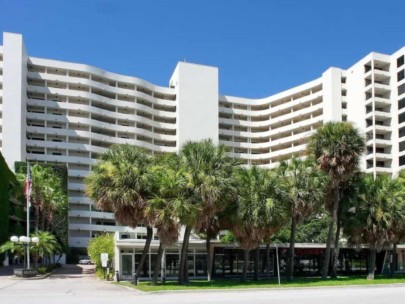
(236,284)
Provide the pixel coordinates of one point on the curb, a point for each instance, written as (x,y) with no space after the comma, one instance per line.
(13,277)
(392,285)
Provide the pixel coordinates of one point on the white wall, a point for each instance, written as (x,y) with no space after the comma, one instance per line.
(332,94)
(197,96)
(14,98)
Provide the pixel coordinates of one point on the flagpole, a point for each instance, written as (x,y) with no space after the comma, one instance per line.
(28,195)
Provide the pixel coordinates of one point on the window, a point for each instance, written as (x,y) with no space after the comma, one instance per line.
(401,117)
(400,61)
(402,146)
(380,164)
(367,68)
(402,160)
(400,75)
(402,132)
(401,103)
(401,89)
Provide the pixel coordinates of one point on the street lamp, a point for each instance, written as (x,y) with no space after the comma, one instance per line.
(25,241)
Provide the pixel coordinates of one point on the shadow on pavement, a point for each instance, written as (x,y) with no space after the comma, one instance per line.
(7,271)
(74,271)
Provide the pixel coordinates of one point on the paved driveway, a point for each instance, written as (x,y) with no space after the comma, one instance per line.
(77,284)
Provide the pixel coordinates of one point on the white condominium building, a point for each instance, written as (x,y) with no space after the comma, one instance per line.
(61,112)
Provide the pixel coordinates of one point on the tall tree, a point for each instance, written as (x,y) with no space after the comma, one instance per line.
(120,183)
(166,206)
(48,197)
(208,171)
(375,214)
(337,147)
(256,214)
(303,187)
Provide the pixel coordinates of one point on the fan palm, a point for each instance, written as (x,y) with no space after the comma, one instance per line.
(337,147)
(256,214)
(208,171)
(166,205)
(120,183)
(303,187)
(376,212)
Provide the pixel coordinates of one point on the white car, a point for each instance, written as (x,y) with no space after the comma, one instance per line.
(85,261)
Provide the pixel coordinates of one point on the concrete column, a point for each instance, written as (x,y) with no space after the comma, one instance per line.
(14,98)
(197,102)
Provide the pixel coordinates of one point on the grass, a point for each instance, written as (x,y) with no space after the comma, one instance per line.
(236,284)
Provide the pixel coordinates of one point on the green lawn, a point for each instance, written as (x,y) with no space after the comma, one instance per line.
(236,284)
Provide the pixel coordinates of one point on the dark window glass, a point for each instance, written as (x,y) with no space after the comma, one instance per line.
(402,160)
(400,61)
(401,117)
(401,103)
(380,164)
(401,89)
(402,146)
(401,75)
(402,132)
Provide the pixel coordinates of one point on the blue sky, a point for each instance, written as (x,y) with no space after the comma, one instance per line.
(260,47)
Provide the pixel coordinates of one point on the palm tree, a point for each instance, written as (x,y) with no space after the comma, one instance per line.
(208,171)
(398,231)
(337,147)
(11,247)
(303,187)
(165,206)
(47,245)
(255,215)
(378,209)
(48,196)
(120,183)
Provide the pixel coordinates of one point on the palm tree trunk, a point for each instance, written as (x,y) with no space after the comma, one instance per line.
(42,217)
(393,265)
(256,265)
(186,280)
(290,269)
(208,246)
(163,277)
(157,265)
(184,256)
(371,266)
(326,260)
(36,222)
(268,261)
(245,264)
(336,249)
(149,234)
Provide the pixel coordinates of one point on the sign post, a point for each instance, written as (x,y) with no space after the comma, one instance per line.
(104,262)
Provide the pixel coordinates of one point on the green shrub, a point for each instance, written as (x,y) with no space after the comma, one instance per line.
(42,270)
(100,244)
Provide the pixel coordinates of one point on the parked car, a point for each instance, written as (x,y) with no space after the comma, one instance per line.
(85,261)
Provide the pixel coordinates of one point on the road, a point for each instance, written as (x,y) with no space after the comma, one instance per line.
(77,284)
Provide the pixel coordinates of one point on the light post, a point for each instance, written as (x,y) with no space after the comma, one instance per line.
(25,241)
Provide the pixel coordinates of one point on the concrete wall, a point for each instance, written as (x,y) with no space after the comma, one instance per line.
(14,98)
(197,95)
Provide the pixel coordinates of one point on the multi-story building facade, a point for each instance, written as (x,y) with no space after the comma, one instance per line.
(61,112)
